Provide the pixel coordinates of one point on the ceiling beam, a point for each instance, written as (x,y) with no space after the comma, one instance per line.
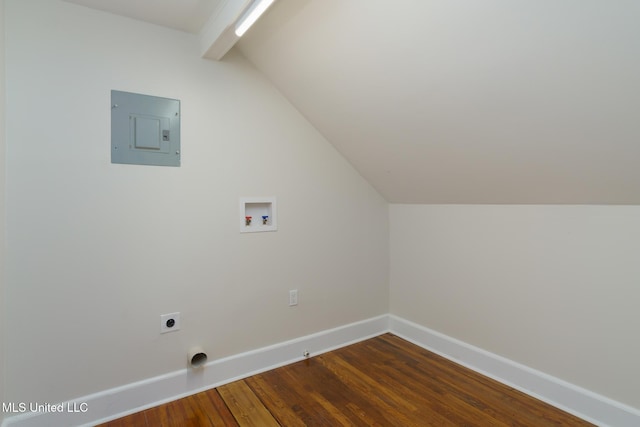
(218,34)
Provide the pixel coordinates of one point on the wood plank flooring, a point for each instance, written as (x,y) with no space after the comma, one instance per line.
(383,381)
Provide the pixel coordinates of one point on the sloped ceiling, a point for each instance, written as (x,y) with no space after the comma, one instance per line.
(467,101)
(183,15)
(455,101)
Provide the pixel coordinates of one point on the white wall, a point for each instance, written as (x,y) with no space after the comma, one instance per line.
(551,287)
(2,204)
(466,101)
(98,251)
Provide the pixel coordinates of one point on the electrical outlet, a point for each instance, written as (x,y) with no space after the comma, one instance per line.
(169,322)
(293,297)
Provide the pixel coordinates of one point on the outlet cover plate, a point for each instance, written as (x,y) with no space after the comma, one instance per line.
(293,297)
(166,324)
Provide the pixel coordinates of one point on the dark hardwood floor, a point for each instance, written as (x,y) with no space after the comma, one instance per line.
(383,381)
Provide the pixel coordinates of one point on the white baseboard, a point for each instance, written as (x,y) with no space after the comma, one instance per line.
(121,401)
(583,403)
(118,402)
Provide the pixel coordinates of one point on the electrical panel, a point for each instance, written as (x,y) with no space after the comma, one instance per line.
(145,130)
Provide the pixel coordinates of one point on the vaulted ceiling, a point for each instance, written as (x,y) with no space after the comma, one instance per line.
(184,15)
(464,101)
